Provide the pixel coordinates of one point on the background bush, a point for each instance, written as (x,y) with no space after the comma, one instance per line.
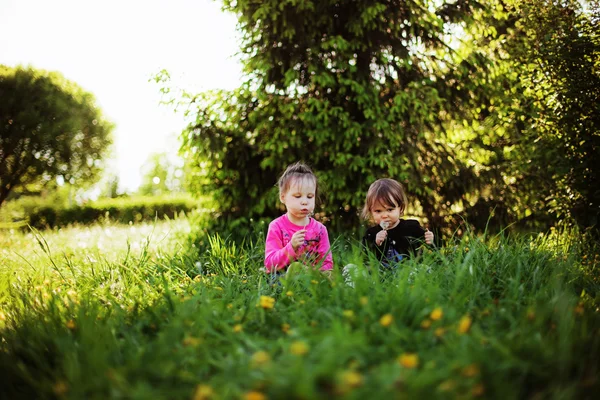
(123,210)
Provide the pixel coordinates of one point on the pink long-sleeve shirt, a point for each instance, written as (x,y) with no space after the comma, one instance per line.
(279,252)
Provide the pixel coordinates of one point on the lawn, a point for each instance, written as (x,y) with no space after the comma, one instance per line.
(112,311)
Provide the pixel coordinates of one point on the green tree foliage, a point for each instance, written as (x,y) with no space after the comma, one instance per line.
(161,175)
(537,122)
(360,90)
(561,71)
(49,128)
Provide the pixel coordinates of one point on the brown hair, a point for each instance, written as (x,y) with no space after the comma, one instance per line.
(295,172)
(386,191)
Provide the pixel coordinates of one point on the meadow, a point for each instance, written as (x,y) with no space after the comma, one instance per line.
(137,312)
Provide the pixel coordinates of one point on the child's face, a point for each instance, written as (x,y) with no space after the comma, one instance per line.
(299,200)
(388,212)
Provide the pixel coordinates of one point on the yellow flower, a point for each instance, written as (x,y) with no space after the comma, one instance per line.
(71,324)
(267,302)
(285,328)
(299,348)
(314,282)
(60,388)
(260,358)
(436,314)
(386,320)
(230,306)
(203,392)
(2,316)
(470,370)
(425,324)
(352,379)
(191,341)
(364,300)
(289,293)
(446,386)
(439,332)
(237,328)
(478,390)
(409,360)
(464,324)
(254,395)
(348,314)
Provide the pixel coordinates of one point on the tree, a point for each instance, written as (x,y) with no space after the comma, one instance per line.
(360,90)
(49,128)
(539,115)
(559,52)
(161,175)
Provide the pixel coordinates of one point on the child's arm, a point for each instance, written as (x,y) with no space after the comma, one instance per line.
(277,256)
(325,250)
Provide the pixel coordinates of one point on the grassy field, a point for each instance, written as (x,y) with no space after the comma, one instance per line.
(129,312)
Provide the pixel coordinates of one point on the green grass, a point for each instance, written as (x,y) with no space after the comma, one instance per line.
(85,313)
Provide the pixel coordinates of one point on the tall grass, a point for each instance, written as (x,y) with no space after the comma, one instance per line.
(494,317)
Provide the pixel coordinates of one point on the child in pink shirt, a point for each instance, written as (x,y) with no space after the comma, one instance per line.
(295,236)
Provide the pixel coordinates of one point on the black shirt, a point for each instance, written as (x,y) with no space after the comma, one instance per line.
(401,241)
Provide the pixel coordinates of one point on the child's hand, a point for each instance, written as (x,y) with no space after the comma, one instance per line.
(428,237)
(381,236)
(298,238)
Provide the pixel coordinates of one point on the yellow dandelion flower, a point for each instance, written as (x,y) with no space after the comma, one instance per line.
(436,314)
(314,282)
(237,328)
(464,324)
(299,348)
(348,314)
(386,320)
(60,388)
(71,324)
(478,390)
(302,301)
(260,358)
(285,328)
(244,281)
(203,392)
(426,323)
(409,360)
(267,302)
(191,341)
(364,300)
(2,316)
(230,306)
(447,385)
(351,379)
(470,370)
(254,395)
(289,293)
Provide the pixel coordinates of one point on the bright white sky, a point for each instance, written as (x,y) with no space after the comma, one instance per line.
(112,47)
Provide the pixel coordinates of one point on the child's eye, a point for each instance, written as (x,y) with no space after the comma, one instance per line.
(390,209)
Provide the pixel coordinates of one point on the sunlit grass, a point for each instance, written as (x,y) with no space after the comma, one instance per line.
(480,318)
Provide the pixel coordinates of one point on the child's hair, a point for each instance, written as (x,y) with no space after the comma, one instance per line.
(295,172)
(388,192)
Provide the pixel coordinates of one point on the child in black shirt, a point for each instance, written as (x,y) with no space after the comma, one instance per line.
(392,239)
